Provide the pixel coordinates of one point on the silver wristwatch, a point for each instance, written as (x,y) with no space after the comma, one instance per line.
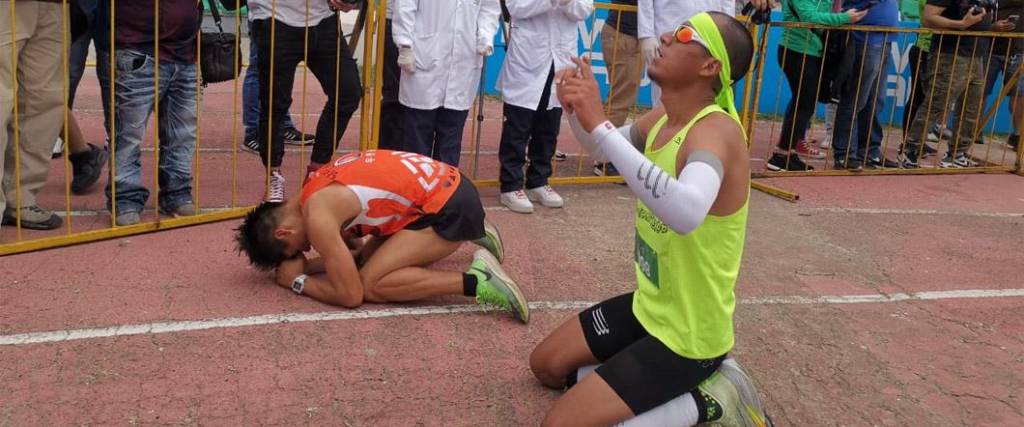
(299,283)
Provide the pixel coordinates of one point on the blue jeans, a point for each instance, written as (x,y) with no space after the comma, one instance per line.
(251,95)
(134,87)
(860,104)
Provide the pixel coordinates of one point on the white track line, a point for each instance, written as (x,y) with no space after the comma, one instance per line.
(917,212)
(327,316)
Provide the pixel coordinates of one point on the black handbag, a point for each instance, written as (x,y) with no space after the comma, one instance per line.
(220,56)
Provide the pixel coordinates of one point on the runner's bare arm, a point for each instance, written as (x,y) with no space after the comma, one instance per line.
(324,214)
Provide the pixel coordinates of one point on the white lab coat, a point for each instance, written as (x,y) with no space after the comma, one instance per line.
(656,17)
(444,35)
(540,34)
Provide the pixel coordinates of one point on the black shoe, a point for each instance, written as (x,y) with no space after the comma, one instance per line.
(927,150)
(980,140)
(251,145)
(293,136)
(882,163)
(87,167)
(851,164)
(908,161)
(605,169)
(790,162)
(559,156)
(1013,141)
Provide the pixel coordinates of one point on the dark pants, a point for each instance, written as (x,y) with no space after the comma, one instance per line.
(326,53)
(535,130)
(390,108)
(803,73)
(918,66)
(436,133)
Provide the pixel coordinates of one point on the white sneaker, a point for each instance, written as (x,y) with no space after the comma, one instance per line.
(546,196)
(275,193)
(517,201)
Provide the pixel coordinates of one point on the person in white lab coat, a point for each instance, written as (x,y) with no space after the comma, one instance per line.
(543,38)
(656,17)
(441,48)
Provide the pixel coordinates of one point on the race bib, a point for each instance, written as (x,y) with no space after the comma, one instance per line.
(647,260)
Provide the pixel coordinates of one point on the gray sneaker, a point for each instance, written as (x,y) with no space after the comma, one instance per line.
(186,209)
(33,218)
(127,218)
(733,389)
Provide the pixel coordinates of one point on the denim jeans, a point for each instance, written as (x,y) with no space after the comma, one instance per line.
(861,102)
(176,119)
(251,95)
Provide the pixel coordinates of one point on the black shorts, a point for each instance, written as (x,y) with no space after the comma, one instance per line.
(462,217)
(643,372)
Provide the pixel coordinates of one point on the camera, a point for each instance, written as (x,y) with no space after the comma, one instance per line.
(987,5)
(759,16)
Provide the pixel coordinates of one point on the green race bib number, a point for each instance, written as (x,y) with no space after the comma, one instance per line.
(647,260)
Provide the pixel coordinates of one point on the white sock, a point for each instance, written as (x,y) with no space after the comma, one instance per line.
(583,371)
(678,412)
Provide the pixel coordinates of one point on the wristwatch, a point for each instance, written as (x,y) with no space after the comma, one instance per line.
(299,283)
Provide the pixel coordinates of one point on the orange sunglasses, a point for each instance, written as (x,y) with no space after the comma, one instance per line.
(686,34)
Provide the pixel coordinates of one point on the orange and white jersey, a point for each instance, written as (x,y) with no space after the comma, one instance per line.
(395,188)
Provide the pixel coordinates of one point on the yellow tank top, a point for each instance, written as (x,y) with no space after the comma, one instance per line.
(685,283)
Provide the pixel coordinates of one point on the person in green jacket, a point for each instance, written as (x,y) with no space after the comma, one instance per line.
(799,56)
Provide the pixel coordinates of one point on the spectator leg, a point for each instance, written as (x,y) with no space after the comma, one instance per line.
(134,80)
(448,135)
(515,135)
(341,85)
(177,135)
(40,74)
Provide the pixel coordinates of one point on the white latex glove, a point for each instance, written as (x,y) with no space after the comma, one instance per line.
(407,59)
(649,47)
(484,49)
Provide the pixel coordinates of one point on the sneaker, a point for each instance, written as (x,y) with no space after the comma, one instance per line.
(275,192)
(251,145)
(517,201)
(293,136)
(127,218)
(928,151)
(58,148)
(805,149)
(826,143)
(559,156)
(185,209)
(605,169)
(961,161)
(86,168)
(908,161)
(494,288)
(882,163)
(737,397)
(33,218)
(851,164)
(492,241)
(546,196)
(980,140)
(1013,141)
(787,162)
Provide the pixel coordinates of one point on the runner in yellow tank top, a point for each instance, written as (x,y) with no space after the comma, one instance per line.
(662,349)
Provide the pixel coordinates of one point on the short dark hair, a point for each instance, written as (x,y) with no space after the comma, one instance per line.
(256,236)
(737,42)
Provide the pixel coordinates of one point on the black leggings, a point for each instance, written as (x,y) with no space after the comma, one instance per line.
(802,72)
(918,68)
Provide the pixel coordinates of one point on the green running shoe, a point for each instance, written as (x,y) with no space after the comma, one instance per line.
(495,288)
(736,395)
(492,242)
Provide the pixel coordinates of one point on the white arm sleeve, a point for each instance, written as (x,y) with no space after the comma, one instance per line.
(587,141)
(683,203)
